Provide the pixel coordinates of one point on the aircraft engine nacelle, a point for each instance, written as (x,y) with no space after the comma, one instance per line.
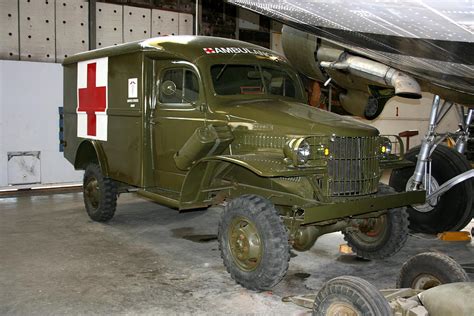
(360,80)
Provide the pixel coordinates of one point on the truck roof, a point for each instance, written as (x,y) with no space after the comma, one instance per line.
(186,47)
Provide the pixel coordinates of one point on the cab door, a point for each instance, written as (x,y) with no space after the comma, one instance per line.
(177,113)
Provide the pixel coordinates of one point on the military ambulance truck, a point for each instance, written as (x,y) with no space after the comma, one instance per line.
(191,122)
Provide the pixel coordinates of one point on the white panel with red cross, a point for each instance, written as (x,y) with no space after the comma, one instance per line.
(92,100)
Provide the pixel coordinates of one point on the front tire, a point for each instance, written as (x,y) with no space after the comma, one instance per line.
(455,208)
(253,242)
(349,295)
(382,236)
(100,194)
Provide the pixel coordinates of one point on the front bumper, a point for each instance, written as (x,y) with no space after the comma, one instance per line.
(348,208)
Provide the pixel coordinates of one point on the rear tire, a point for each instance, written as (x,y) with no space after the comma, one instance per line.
(455,208)
(388,235)
(100,194)
(253,242)
(430,269)
(349,295)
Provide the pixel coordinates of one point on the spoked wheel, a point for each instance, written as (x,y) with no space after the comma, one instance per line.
(253,242)
(100,194)
(430,269)
(455,208)
(351,296)
(380,237)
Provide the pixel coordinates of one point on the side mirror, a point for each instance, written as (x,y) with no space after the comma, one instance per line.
(168,88)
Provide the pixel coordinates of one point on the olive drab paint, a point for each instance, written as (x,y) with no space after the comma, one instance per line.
(117,113)
(167,116)
(191,122)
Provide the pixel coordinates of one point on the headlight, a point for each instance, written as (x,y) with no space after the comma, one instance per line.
(385,146)
(298,150)
(303,152)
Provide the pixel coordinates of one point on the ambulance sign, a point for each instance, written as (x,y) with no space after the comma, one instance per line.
(236,50)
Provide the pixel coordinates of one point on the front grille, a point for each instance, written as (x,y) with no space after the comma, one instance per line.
(354,167)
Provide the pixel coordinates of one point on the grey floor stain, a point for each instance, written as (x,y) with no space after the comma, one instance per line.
(186,233)
(351,259)
(302,275)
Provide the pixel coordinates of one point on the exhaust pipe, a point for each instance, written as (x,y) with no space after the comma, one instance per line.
(405,85)
(308,55)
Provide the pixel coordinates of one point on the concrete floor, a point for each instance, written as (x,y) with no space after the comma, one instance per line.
(151,260)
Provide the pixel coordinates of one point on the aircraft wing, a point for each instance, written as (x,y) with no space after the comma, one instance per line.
(431,40)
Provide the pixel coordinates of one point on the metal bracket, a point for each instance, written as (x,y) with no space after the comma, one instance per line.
(450,183)
(432,140)
(464,122)
(426,144)
(305,301)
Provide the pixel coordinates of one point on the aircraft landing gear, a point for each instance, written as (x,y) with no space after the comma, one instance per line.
(443,172)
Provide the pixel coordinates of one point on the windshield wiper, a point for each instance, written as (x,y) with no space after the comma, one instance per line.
(221,71)
(224,67)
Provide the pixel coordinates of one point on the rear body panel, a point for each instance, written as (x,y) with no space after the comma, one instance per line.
(125,120)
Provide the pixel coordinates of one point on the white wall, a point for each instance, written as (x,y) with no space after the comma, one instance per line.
(3,155)
(402,114)
(30,94)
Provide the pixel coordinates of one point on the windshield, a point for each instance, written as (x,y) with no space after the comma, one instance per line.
(238,79)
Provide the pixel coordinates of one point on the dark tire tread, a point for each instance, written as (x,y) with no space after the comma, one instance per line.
(456,207)
(442,267)
(276,257)
(353,290)
(108,198)
(396,239)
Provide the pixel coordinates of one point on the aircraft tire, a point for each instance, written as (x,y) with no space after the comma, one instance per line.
(455,208)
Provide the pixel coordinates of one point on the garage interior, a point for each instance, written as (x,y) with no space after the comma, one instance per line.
(149,259)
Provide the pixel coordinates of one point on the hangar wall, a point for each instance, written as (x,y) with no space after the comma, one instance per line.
(30,95)
(401,114)
(44,33)
(51,30)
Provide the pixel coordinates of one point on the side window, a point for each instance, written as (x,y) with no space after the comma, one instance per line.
(187,86)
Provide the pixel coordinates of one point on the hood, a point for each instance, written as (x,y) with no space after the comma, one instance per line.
(292,118)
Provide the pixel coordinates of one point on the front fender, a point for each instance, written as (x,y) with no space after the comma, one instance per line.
(198,181)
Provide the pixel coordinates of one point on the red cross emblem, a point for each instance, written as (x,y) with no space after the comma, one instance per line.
(209,50)
(92,99)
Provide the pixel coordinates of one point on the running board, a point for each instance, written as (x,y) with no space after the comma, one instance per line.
(160,198)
